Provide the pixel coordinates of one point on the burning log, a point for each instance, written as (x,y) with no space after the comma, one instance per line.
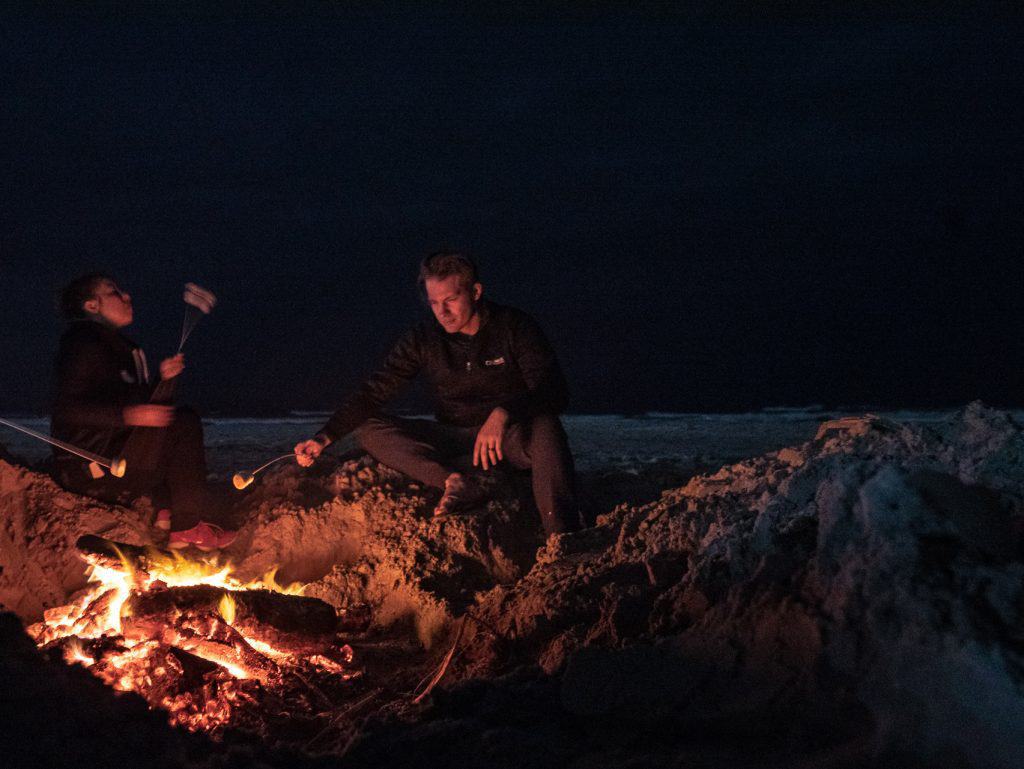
(145,565)
(99,551)
(206,636)
(291,624)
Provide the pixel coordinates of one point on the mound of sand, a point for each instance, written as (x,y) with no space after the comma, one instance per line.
(373,541)
(39,524)
(857,600)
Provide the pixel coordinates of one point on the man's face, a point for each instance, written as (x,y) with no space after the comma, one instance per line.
(453,304)
(110,305)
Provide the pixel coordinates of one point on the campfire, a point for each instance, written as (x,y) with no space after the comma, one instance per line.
(195,641)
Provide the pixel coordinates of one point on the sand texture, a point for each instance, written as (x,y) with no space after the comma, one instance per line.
(856,600)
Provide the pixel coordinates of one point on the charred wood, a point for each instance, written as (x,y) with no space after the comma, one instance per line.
(100,551)
(291,624)
(198,630)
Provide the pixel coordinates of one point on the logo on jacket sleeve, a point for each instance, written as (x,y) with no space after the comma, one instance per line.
(495,361)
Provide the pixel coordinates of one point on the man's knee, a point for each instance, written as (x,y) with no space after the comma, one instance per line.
(547,430)
(371,432)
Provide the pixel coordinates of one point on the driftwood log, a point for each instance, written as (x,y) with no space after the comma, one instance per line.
(99,551)
(292,624)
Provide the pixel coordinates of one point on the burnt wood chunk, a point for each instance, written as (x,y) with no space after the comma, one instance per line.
(206,635)
(291,624)
(106,552)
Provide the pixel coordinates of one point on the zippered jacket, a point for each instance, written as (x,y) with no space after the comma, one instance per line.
(507,363)
(99,372)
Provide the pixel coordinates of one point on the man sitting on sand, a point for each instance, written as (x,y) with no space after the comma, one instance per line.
(103,392)
(498,390)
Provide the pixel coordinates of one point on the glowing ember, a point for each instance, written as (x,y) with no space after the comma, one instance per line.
(74,653)
(226,607)
(191,637)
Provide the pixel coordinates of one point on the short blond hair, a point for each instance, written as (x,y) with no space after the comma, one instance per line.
(444,264)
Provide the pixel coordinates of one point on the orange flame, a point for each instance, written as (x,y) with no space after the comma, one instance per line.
(226,607)
(128,664)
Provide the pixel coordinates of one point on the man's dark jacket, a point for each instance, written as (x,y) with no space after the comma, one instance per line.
(99,372)
(508,363)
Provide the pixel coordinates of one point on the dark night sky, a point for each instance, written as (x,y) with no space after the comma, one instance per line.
(706,212)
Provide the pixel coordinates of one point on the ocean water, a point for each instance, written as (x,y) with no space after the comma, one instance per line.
(629,444)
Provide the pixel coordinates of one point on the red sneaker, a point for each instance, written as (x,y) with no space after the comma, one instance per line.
(163,520)
(203,536)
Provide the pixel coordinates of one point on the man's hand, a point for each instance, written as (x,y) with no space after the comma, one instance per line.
(487,449)
(148,415)
(171,367)
(306,452)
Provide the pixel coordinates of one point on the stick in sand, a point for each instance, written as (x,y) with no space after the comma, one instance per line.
(117,465)
(241,480)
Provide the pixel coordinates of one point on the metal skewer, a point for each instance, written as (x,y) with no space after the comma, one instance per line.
(199,302)
(116,466)
(241,480)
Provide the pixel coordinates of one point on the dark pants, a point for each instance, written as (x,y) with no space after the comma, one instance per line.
(423,449)
(173,467)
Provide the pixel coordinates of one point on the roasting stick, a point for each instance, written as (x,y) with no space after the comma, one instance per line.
(241,480)
(117,465)
(148,442)
(199,302)
(443,667)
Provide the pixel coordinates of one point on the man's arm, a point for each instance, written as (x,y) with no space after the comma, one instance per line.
(402,363)
(546,391)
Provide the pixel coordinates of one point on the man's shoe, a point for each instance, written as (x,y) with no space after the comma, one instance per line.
(163,520)
(460,493)
(203,536)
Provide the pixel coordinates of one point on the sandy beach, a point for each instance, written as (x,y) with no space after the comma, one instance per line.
(824,603)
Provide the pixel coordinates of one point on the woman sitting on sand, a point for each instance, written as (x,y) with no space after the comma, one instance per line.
(104,390)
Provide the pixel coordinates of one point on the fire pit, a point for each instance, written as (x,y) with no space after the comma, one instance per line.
(197,642)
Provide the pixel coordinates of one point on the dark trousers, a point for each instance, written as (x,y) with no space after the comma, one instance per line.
(173,467)
(424,449)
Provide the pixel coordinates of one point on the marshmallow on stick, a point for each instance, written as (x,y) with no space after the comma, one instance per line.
(200,298)
(200,302)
